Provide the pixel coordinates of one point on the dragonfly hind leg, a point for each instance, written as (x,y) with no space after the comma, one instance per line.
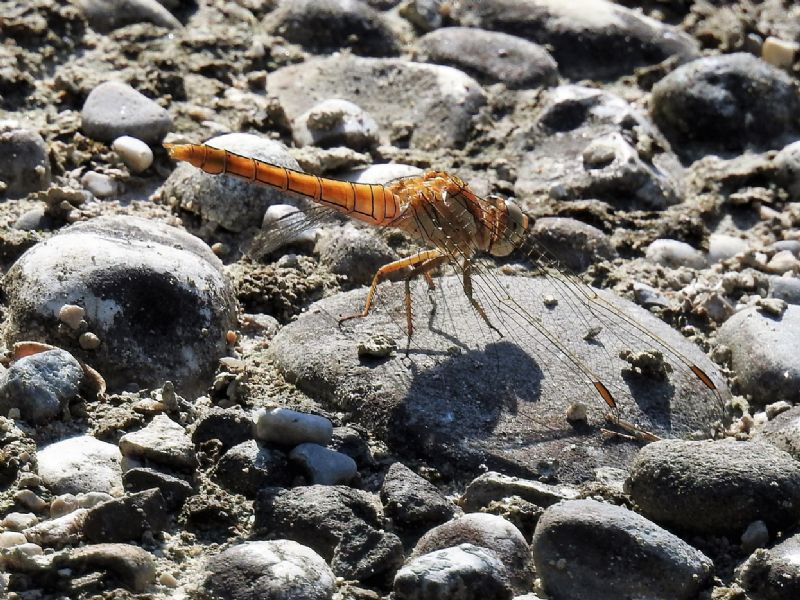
(467,278)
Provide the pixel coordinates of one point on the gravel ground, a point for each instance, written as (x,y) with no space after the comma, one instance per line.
(181,415)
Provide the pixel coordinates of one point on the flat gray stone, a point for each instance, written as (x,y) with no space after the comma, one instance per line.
(114,109)
(80,465)
(411,501)
(271,570)
(493,486)
(134,567)
(764,353)
(466,397)
(162,441)
(718,487)
(490,57)
(590,39)
(725,104)
(436,102)
(589,549)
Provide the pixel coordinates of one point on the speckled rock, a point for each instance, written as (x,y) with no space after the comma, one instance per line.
(324,26)
(463,572)
(590,38)
(436,103)
(25,166)
(716,487)
(80,464)
(106,15)
(225,201)
(490,57)
(40,386)
(248,467)
(411,501)
(132,277)
(162,441)
(585,548)
(114,109)
(764,353)
(272,570)
(726,104)
(486,531)
(772,574)
(575,244)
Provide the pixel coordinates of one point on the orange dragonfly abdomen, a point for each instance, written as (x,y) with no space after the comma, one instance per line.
(368,202)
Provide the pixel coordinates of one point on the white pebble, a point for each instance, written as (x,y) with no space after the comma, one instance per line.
(672,253)
(136,155)
(98,184)
(168,580)
(783,262)
(289,427)
(12,538)
(89,341)
(283,217)
(72,315)
(721,247)
(17,521)
(778,52)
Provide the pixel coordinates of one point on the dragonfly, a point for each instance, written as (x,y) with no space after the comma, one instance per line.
(455,225)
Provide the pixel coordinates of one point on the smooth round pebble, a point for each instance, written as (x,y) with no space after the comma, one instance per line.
(80,464)
(133,277)
(355,252)
(590,549)
(463,572)
(716,487)
(273,570)
(335,122)
(41,385)
(289,427)
(322,465)
(136,155)
(488,531)
(785,288)
(99,184)
(9,539)
(721,247)
(25,167)
(114,109)
(673,254)
(764,355)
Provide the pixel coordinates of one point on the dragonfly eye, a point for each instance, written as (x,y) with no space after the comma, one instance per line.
(511,229)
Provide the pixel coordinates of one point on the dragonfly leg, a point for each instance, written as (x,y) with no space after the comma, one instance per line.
(423,269)
(467,276)
(411,261)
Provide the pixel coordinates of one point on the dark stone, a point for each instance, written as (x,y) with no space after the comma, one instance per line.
(411,501)
(127,518)
(173,489)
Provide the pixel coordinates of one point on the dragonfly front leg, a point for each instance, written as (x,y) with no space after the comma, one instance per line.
(467,277)
(411,261)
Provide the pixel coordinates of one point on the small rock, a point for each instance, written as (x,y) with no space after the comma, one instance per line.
(335,122)
(785,288)
(133,567)
(99,184)
(30,500)
(62,531)
(66,503)
(9,539)
(114,109)
(779,53)
(367,554)
(41,385)
(351,442)
(325,26)
(163,441)
(722,247)
(585,548)
(575,244)
(755,536)
(464,572)
(106,15)
(17,521)
(80,464)
(787,162)
(764,353)
(381,173)
(774,573)
(25,167)
(490,57)
(248,467)
(411,501)
(72,315)
(290,428)
(674,254)
(725,103)
(716,487)
(423,14)
(173,490)
(273,570)
(494,486)
(126,518)
(88,341)
(228,426)
(136,155)
(323,466)
(356,253)
(488,531)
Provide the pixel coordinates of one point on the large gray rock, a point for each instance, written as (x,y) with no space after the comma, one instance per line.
(155,296)
(590,38)
(716,487)
(436,102)
(464,391)
(114,109)
(490,57)
(589,549)
(764,353)
(726,104)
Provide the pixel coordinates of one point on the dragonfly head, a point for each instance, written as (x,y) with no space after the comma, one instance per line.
(510,227)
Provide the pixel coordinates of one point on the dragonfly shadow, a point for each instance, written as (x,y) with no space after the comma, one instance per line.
(653,398)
